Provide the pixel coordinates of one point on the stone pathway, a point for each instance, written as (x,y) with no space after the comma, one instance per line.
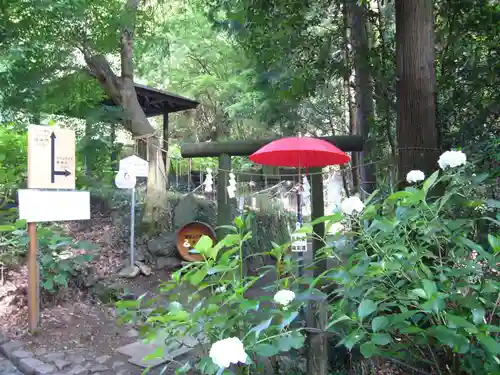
(7,367)
(71,362)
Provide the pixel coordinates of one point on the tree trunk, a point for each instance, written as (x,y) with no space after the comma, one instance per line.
(347,92)
(363,93)
(122,91)
(416,87)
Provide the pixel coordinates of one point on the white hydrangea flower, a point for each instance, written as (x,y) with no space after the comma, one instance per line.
(351,205)
(415,176)
(227,351)
(220,289)
(452,159)
(284,297)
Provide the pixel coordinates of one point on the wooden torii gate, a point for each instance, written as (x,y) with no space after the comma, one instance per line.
(317,357)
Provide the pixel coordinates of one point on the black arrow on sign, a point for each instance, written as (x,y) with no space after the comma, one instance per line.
(55,173)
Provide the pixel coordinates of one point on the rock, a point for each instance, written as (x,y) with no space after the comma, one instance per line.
(61,364)
(129,272)
(79,370)
(103,359)
(145,270)
(40,351)
(52,357)
(76,359)
(132,333)
(17,355)
(107,291)
(8,347)
(3,338)
(168,263)
(98,368)
(117,364)
(34,366)
(164,245)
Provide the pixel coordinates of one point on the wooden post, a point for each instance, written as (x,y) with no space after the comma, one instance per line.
(223,201)
(33,277)
(165,140)
(317,316)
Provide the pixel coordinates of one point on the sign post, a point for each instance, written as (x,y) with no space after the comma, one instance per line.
(126,179)
(51,165)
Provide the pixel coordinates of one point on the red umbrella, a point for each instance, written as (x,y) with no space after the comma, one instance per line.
(300,152)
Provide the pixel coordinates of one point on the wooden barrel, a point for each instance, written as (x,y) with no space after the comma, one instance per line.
(188,236)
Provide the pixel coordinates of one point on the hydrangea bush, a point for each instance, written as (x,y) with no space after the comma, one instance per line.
(419,283)
(416,280)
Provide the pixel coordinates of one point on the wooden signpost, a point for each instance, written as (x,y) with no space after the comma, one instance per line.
(50,195)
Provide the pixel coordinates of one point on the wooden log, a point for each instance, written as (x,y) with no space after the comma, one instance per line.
(223,201)
(244,148)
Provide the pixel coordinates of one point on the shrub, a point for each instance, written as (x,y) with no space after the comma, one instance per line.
(219,309)
(420,284)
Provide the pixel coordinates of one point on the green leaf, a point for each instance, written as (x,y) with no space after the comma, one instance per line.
(159,352)
(381,339)
(455,321)
(184,368)
(335,218)
(366,307)
(352,339)
(379,323)
(7,228)
(288,318)
(48,285)
(494,243)
(61,280)
(198,276)
(445,335)
(287,342)
(338,320)
(430,181)
(430,288)
(368,350)
(489,343)
(478,314)
(261,326)
(419,293)
(398,195)
(204,244)
(238,222)
(265,350)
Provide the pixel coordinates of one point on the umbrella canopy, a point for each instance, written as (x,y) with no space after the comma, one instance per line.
(300,152)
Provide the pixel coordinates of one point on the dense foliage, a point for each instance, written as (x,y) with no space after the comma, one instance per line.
(417,284)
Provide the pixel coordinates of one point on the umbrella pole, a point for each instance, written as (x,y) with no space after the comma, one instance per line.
(300,256)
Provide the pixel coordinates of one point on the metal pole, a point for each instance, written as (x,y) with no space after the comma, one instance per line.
(132,228)
(33,287)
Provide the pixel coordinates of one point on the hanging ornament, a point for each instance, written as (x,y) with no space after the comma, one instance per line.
(306,188)
(334,191)
(231,188)
(241,204)
(253,200)
(208,183)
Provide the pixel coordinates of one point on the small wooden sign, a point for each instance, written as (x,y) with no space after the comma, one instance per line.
(51,157)
(189,235)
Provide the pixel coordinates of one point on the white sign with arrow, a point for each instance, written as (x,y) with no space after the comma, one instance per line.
(51,158)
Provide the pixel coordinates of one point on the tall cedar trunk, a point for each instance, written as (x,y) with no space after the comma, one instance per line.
(363,93)
(348,96)
(416,87)
(122,91)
